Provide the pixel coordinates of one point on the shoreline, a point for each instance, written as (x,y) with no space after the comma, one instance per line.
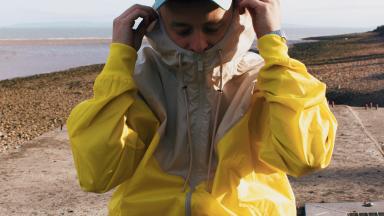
(97,41)
(77,42)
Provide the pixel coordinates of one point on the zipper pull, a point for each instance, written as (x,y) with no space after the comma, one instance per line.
(199,65)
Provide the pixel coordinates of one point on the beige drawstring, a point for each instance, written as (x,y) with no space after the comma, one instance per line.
(189,141)
(217,110)
(189,135)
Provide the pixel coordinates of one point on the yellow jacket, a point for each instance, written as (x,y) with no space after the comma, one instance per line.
(158,129)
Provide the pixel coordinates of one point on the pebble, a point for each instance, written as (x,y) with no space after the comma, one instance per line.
(29,109)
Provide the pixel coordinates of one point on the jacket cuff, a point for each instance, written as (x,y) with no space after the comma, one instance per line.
(273,46)
(121,60)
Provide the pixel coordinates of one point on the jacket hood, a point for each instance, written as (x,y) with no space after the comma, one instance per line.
(236,42)
(190,92)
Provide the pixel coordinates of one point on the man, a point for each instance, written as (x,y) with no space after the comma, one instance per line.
(194,124)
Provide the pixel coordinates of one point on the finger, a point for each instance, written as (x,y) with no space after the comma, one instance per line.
(240,9)
(134,15)
(251,4)
(146,26)
(149,16)
(127,12)
(148,19)
(135,8)
(128,18)
(271,1)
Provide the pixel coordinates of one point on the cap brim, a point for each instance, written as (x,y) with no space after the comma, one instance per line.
(158,4)
(225,4)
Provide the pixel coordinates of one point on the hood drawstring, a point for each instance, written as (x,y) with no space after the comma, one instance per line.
(217,111)
(216,116)
(189,136)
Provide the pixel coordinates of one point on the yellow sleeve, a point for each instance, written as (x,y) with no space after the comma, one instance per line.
(301,128)
(109,132)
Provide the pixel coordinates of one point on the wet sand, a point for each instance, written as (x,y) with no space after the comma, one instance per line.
(75,41)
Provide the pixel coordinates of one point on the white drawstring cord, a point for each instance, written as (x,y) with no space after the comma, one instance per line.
(189,141)
(217,110)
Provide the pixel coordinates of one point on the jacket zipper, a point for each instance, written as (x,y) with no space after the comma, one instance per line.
(188,198)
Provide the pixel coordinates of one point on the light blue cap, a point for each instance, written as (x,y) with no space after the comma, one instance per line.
(225,4)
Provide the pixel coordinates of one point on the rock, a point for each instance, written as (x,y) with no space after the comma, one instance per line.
(380,30)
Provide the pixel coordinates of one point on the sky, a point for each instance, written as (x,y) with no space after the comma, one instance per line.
(311,13)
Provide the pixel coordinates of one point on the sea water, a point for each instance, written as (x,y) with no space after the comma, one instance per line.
(29,51)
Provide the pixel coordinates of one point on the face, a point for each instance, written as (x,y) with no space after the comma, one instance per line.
(195,26)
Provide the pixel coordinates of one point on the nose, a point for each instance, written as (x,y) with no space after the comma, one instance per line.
(198,42)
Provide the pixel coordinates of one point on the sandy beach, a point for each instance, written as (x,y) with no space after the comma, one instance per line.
(40,179)
(350,65)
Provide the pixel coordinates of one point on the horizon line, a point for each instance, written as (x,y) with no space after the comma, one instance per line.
(105,24)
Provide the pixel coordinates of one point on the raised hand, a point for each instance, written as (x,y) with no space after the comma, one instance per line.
(122,25)
(265,15)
